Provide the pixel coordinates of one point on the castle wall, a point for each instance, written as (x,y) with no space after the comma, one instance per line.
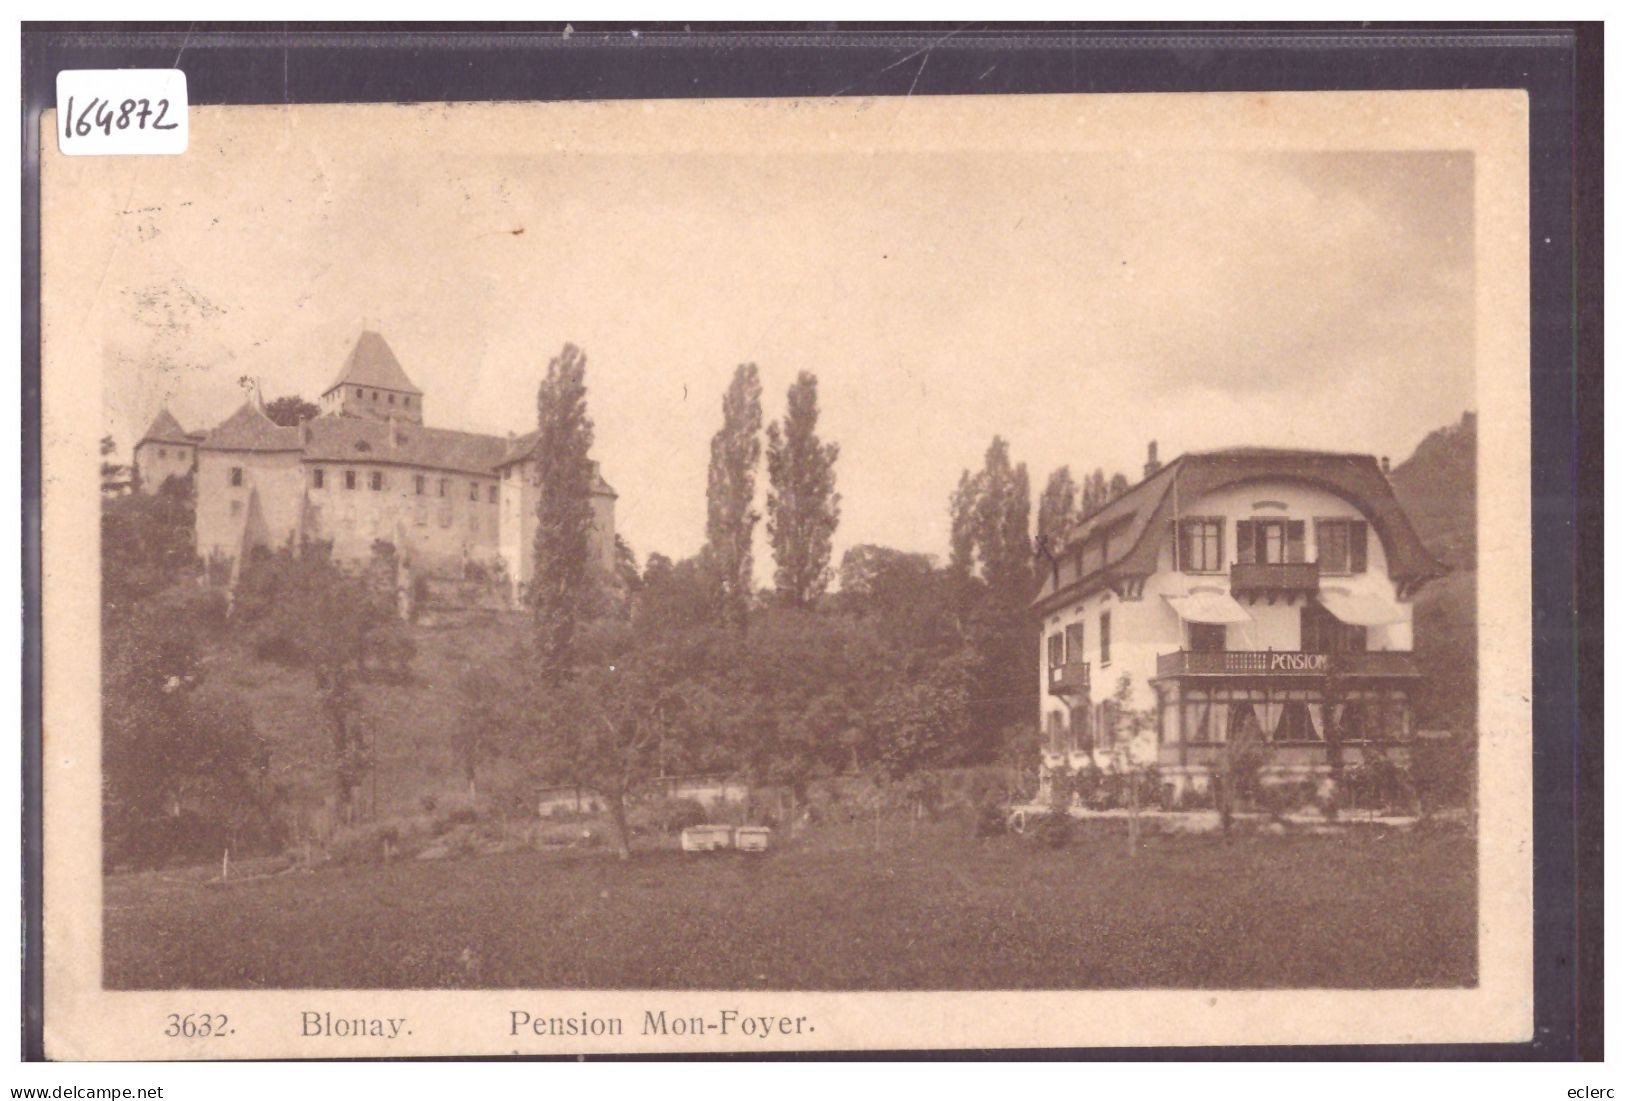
(222,507)
(520,496)
(440,520)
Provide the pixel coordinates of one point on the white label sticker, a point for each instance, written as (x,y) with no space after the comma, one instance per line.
(101,112)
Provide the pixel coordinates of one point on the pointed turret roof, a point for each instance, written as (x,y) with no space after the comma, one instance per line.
(372,363)
(249,429)
(165,429)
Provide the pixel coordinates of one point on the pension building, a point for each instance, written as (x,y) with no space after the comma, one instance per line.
(1258,591)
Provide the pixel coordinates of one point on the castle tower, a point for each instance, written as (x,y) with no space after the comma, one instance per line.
(372,384)
(165,450)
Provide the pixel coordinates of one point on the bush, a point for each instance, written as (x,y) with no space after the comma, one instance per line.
(1442,770)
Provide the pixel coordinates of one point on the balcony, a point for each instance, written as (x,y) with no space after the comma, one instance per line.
(1274,579)
(1285,663)
(1071,679)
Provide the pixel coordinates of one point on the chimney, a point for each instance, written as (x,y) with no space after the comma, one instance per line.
(1385,466)
(1151,463)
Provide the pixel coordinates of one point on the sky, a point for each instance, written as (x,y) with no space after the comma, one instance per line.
(1080,304)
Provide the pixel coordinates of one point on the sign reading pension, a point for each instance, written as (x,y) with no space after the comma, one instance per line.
(1289,662)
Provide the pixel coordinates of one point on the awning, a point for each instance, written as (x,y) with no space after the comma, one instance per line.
(1208,606)
(1361,609)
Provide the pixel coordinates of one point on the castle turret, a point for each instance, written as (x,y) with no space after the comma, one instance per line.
(373,384)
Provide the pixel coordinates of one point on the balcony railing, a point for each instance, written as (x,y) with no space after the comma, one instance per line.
(1270,579)
(1071,679)
(1290,663)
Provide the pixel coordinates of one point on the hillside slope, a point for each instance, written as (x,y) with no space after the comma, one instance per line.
(1438,486)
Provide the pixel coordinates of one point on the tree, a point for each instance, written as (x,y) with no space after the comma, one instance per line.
(303,611)
(1002,525)
(291,411)
(962,525)
(638,699)
(147,542)
(1057,507)
(803,691)
(730,494)
(1095,492)
(992,576)
(626,565)
(803,508)
(183,770)
(562,589)
(1128,726)
(116,477)
(1117,487)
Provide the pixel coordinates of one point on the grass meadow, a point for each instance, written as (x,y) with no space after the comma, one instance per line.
(929,908)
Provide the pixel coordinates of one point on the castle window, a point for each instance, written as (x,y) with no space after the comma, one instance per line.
(236,475)
(318,477)
(349,479)
(491,494)
(375,480)
(473,491)
(360,393)
(442,487)
(420,485)
(392,399)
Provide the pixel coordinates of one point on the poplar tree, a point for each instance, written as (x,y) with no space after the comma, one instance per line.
(730,494)
(560,591)
(803,508)
(1057,505)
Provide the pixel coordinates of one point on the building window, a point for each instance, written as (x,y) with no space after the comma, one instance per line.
(473,491)
(406,402)
(1340,545)
(318,477)
(507,473)
(491,494)
(359,393)
(1295,724)
(420,484)
(442,487)
(1207,637)
(1074,642)
(1269,541)
(1105,639)
(236,475)
(349,479)
(1201,545)
(1057,650)
(163,454)
(392,399)
(1320,632)
(375,480)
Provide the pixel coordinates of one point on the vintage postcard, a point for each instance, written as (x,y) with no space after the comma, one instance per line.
(776,575)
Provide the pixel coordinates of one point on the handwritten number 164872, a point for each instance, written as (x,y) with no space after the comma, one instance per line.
(100,114)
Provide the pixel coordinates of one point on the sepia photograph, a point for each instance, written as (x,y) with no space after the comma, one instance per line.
(710,567)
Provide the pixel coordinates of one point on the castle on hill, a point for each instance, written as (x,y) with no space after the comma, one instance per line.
(366,469)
